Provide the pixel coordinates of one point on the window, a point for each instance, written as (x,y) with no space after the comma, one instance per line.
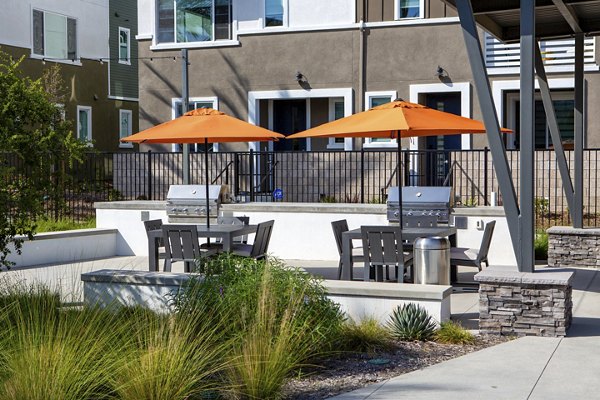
(564,109)
(124,46)
(125,127)
(54,36)
(374,99)
(184,21)
(409,9)
(84,123)
(195,103)
(336,111)
(274,12)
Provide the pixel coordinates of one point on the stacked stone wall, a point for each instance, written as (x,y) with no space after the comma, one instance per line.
(572,247)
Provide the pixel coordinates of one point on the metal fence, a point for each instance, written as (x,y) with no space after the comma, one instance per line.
(325,176)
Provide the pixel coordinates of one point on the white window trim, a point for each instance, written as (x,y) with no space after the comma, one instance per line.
(397,11)
(89,110)
(368,143)
(285,22)
(128,60)
(255,96)
(464,88)
(332,143)
(208,99)
(499,87)
(76,61)
(125,145)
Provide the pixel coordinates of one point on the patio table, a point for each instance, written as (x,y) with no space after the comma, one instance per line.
(409,234)
(225,232)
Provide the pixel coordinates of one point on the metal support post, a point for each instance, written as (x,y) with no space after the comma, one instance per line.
(578,192)
(490,119)
(561,159)
(527,136)
(185,101)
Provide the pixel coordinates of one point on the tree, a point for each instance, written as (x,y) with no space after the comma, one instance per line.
(36,144)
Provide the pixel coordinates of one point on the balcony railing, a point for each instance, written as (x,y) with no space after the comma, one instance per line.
(558,55)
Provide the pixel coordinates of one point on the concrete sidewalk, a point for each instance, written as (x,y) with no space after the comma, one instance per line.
(525,368)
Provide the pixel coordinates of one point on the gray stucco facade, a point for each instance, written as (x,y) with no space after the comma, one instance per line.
(400,58)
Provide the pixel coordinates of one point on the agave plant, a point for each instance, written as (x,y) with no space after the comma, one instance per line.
(412,322)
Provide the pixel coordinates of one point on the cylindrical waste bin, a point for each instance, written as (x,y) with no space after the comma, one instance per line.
(432,261)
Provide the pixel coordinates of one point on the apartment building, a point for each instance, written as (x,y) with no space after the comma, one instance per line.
(93,43)
(289,65)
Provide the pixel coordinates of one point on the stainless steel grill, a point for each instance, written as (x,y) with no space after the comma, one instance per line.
(418,201)
(185,202)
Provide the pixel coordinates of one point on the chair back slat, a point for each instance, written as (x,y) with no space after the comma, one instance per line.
(383,245)
(339,227)
(181,242)
(153,225)
(261,240)
(486,241)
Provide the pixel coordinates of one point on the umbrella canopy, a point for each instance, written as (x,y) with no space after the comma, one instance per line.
(394,120)
(204,125)
(398,118)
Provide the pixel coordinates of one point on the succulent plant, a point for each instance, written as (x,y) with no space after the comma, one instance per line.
(412,322)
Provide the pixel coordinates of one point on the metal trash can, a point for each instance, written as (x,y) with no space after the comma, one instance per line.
(432,261)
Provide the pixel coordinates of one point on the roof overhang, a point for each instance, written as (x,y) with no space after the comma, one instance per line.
(554,19)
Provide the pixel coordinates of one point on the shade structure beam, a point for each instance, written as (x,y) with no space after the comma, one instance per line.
(568,14)
(490,120)
(578,146)
(527,136)
(559,150)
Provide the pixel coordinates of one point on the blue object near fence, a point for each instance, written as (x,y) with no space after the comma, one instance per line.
(278,194)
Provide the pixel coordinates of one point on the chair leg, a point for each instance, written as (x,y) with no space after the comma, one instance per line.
(167,265)
(339,274)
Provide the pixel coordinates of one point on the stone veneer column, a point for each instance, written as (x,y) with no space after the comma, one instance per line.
(573,247)
(524,304)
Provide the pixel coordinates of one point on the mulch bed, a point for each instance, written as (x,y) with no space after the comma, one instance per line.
(350,371)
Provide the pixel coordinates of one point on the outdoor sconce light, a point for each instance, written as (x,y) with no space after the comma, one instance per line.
(301,78)
(441,72)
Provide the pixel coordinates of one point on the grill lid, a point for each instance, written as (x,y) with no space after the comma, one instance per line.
(420,194)
(196,192)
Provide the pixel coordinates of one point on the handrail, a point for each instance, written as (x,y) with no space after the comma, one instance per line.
(222,172)
(265,176)
(469,180)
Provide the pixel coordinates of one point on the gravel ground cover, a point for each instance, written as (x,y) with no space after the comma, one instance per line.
(342,373)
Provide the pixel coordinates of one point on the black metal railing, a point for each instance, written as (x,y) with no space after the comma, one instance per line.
(324,176)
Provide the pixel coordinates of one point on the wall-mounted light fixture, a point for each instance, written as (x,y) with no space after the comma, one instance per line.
(441,72)
(300,78)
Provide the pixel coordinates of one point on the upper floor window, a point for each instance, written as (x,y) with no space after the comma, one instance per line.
(274,12)
(54,35)
(124,46)
(409,9)
(182,21)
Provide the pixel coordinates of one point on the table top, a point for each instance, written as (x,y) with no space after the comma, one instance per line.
(412,232)
(217,230)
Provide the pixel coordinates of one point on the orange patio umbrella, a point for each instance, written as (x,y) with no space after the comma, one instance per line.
(395,120)
(204,125)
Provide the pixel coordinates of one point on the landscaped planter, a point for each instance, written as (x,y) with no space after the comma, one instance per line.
(67,246)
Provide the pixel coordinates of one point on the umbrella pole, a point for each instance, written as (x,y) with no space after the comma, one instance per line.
(399,177)
(207,184)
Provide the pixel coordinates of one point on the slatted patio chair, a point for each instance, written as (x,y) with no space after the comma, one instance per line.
(474,257)
(383,247)
(156,225)
(258,249)
(339,227)
(181,244)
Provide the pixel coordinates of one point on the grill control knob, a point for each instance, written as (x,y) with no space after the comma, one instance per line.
(203,211)
(173,210)
(184,210)
(409,213)
(396,214)
(197,210)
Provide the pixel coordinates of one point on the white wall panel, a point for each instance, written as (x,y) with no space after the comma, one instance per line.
(306,13)
(91,16)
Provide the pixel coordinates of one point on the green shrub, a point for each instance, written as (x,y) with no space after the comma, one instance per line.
(276,319)
(63,224)
(540,245)
(412,322)
(366,336)
(453,333)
